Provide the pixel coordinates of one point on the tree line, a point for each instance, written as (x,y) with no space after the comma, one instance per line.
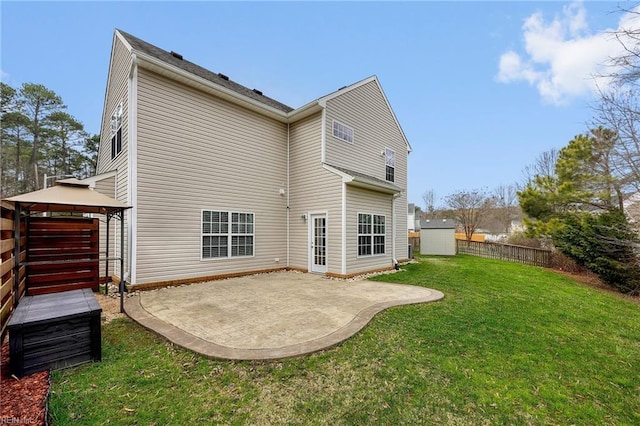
(576,199)
(494,210)
(39,138)
(579,198)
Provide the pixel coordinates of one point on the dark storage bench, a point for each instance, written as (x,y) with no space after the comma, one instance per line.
(54,331)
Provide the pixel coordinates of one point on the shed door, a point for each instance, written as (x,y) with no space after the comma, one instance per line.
(318,243)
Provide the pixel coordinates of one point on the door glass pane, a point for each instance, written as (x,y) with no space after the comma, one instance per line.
(319,241)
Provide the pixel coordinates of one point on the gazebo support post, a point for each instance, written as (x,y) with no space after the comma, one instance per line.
(106,262)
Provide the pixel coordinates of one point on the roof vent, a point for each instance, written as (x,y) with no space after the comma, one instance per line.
(257,91)
(222,76)
(176,55)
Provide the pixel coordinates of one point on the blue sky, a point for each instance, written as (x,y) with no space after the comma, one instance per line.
(480,88)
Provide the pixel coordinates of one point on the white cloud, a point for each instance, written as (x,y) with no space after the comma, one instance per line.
(4,76)
(562,56)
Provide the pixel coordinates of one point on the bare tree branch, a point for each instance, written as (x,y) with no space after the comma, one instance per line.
(469,208)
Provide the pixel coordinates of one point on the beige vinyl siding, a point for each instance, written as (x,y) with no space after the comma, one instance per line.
(366,111)
(198,152)
(117,91)
(106,187)
(313,190)
(361,200)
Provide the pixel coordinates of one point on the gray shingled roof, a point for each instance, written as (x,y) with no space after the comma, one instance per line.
(438,224)
(361,177)
(164,56)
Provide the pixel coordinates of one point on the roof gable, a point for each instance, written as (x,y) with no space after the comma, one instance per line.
(323,101)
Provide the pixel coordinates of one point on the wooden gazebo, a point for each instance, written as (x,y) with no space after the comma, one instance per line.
(69,195)
(57,323)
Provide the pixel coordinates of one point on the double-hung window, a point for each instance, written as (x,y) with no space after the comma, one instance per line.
(241,234)
(390,163)
(371,234)
(342,131)
(227,234)
(116,131)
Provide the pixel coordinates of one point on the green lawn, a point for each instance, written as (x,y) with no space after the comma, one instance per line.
(509,344)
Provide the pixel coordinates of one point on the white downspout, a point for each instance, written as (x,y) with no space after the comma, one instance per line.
(344,228)
(393,231)
(323,135)
(288,192)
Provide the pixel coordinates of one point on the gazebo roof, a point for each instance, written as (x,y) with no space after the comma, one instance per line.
(70,195)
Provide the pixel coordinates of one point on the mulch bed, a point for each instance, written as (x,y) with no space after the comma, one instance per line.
(22,401)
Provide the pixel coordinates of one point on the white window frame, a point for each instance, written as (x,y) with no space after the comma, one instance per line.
(234,230)
(389,162)
(372,234)
(343,132)
(116,131)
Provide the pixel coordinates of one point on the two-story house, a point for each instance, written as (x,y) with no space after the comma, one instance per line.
(224,180)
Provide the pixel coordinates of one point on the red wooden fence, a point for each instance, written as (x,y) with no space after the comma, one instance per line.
(62,254)
(12,281)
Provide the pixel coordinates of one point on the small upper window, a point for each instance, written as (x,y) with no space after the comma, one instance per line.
(116,131)
(390,163)
(342,131)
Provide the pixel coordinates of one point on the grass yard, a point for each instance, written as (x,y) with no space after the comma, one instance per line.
(509,344)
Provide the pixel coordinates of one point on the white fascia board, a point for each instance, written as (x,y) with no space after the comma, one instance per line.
(123,40)
(232,96)
(323,100)
(304,111)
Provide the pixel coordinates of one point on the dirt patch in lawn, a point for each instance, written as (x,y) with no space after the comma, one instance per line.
(110,306)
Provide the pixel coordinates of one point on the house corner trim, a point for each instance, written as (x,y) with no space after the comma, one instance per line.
(132,164)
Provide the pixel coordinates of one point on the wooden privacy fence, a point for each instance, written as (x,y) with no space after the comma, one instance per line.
(62,254)
(12,279)
(414,241)
(520,254)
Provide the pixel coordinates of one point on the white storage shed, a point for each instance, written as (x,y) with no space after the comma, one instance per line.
(437,237)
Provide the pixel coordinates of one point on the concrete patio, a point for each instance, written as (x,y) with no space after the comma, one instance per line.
(268,316)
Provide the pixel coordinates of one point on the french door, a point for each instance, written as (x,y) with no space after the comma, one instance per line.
(318,243)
